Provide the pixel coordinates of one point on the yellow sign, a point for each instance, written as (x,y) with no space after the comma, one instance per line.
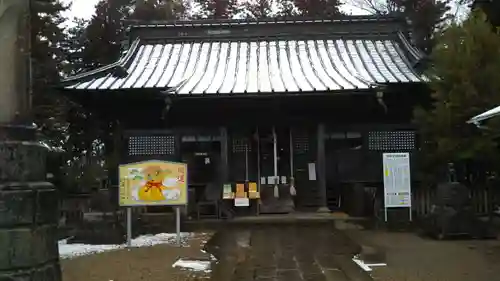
(157,183)
(253,193)
(240,191)
(252,187)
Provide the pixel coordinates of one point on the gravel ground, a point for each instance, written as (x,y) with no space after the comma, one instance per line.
(148,263)
(412,258)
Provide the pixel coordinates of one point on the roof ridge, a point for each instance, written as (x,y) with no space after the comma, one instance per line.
(237,22)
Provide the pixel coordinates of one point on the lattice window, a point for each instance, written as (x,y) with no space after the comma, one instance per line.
(151,145)
(392,140)
(241,145)
(300,143)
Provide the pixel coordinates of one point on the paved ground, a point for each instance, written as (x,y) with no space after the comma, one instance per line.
(412,258)
(301,251)
(288,252)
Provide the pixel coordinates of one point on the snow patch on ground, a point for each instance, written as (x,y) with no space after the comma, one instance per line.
(193,265)
(76,250)
(162,238)
(366,266)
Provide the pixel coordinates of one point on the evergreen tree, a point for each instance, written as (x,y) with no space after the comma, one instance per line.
(74,47)
(491,8)
(424,17)
(47,57)
(465,81)
(155,10)
(258,9)
(217,9)
(105,33)
(318,8)
(101,42)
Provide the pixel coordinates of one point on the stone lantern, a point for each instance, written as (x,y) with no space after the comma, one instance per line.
(28,203)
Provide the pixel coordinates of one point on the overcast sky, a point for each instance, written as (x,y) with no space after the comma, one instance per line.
(85,9)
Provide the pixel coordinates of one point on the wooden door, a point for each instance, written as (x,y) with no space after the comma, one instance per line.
(304,153)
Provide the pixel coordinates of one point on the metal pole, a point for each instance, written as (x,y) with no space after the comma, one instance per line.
(129,227)
(178,225)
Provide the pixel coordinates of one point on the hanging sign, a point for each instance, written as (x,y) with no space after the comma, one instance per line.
(253,192)
(311,168)
(227,192)
(153,182)
(240,191)
(397,180)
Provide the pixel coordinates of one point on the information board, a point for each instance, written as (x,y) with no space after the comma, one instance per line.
(397,180)
(157,183)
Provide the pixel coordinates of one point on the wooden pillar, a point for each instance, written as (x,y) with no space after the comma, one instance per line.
(224,150)
(320,168)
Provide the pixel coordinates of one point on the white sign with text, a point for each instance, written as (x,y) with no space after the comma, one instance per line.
(397,180)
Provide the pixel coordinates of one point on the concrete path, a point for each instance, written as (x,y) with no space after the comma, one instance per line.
(288,252)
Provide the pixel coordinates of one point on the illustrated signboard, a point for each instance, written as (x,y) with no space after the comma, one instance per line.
(153,183)
(397,181)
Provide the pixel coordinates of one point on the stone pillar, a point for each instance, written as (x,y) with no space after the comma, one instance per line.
(14,58)
(28,204)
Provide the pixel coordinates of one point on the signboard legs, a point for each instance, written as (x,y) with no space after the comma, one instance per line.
(129,227)
(409,210)
(178,225)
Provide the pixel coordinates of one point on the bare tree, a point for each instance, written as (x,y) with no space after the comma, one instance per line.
(383,7)
(377,7)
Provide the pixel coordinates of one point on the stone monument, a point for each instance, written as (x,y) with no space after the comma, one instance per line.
(28,204)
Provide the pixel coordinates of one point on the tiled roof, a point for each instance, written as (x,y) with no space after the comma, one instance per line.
(258,65)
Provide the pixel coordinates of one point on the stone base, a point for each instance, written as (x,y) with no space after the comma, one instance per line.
(28,214)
